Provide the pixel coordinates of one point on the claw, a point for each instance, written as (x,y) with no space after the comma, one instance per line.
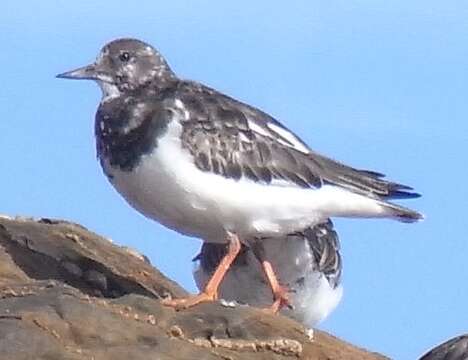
(281,299)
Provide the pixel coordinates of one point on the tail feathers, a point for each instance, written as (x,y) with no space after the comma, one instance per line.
(402,213)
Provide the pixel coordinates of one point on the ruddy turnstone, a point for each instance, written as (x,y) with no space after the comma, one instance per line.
(308,262)
(453,349)
(212,167)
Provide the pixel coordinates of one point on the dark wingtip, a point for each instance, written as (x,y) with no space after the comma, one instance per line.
(396,195)
(394,190)
(415,195)
(400,191)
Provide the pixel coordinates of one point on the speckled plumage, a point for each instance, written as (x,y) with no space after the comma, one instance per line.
(228,138)
(453,349)
(204,164)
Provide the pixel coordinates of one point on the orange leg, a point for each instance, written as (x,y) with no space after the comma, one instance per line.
(280,293)
(210,293)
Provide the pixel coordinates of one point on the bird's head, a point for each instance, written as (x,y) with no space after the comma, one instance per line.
(124,65)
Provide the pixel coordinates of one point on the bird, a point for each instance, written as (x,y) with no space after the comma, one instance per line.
(308,262)
(212,167)
(453,349)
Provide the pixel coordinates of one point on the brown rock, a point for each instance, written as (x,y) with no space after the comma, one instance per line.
(66,293)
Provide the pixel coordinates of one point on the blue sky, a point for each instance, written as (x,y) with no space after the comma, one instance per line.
(376,84)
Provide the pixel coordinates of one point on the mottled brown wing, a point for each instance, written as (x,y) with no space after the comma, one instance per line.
(235,140)
(224,137)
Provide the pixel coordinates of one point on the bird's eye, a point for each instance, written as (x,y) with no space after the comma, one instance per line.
(124,57)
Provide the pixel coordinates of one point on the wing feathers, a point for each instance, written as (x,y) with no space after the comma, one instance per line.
(235,140)
(324,243)
(362,181)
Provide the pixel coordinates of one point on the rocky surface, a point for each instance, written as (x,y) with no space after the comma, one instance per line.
(66,293)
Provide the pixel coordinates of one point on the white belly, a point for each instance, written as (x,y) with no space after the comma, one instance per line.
(167,187)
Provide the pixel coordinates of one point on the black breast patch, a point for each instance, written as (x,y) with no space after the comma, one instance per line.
(124,135)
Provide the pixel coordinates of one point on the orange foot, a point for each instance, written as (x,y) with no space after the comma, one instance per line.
(211,289)
(190,301)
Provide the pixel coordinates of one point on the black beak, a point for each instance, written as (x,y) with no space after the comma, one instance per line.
(87,72)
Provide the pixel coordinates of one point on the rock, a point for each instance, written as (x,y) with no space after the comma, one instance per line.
(66,293)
